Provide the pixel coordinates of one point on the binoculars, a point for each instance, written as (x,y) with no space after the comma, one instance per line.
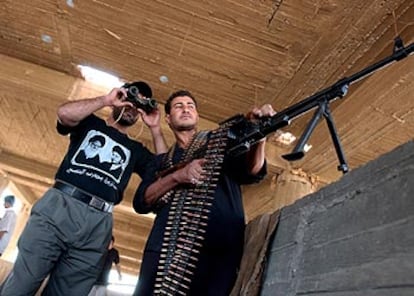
(146,104)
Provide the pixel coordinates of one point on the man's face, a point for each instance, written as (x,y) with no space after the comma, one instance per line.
(92,149)
(116,158)
(183,115)
(129,116)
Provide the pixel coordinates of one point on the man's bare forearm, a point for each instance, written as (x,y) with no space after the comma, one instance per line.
(159,188)
(158,140)
(256,157)
(71,113)
(184,175)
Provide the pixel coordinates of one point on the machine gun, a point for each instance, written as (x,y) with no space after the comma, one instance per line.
(243,133)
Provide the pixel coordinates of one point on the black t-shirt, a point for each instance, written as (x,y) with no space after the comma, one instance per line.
(112,256)
(100,159)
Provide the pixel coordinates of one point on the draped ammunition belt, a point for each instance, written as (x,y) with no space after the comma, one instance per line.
(188,216)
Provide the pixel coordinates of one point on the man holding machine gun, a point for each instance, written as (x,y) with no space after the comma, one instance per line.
(196,243)
(70,227)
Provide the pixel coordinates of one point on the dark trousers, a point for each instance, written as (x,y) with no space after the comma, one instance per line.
(63,238)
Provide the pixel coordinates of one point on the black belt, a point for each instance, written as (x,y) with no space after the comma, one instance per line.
(89,199)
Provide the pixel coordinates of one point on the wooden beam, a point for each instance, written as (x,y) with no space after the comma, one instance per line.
(28,168)
(133,220)
(4,181)
(29,182)
(133,255)
(24,193)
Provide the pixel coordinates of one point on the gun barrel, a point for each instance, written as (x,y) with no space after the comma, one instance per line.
(243,134)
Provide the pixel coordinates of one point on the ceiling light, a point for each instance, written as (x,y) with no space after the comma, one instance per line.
(307,147)
(46,38)
(70,3)
(99,77)
(283,138)
(164,79)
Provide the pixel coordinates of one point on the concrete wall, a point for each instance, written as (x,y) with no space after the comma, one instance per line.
(353,237)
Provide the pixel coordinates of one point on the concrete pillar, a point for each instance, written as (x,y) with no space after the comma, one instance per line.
(276,191)
(3,183)
(290,186)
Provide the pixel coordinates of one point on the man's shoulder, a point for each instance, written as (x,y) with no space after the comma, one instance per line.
(94,117)
(91,119)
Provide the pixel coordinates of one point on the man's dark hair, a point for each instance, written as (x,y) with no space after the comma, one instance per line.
(179,93)
(9,199)
(143,87)
(119,150)
(99,138)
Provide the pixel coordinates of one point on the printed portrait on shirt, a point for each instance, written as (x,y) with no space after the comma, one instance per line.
(100,153)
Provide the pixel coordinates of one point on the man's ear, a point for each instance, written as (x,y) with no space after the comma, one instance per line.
(167,119)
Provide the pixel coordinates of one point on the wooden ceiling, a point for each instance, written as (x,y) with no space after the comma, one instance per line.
(232,55)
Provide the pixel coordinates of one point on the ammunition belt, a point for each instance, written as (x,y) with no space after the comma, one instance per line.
(188,217)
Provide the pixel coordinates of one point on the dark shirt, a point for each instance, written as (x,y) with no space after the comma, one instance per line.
(223,245)
(112,256)
(96,177)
